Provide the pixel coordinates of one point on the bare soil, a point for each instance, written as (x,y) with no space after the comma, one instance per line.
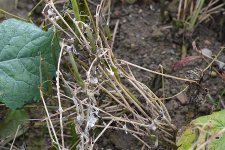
(143,40)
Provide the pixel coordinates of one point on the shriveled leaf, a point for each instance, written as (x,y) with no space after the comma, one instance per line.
(208,53)
(14,120)
(23,47)
(201,129)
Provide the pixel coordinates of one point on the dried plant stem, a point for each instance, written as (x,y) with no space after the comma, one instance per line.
(55,140)
(101,73)
(106,127)
(17,130)
(151,71)
(215,58)
(58,73)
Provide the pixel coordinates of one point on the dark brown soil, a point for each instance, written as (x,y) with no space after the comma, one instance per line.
(143,40)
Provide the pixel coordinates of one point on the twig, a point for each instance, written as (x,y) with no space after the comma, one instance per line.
(114,33)
(17,130)
(58,73)
(106,127)
(165,75)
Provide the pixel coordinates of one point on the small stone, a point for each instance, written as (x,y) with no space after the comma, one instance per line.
(212,73)
(207,42)
(124,21)
(152,8)
(157,33)
(116,13)
(140,11)
(182,97)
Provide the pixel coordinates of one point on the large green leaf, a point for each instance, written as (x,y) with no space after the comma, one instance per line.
(201,129)
(23,47)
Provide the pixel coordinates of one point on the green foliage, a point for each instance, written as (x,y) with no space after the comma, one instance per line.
(25,54)
(194,16)
(189,20)
(74,137)
(178,23)
(76,9)
(75,71)
(14,120)
(201,129)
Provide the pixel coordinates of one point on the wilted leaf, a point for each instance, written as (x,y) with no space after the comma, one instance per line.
(201,129)
(208,53)
(23,47)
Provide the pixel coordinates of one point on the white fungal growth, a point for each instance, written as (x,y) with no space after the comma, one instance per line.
(110,72)
(79,119)
(125,128)
(152,126)
(91,121)
(93,80)
(91,118)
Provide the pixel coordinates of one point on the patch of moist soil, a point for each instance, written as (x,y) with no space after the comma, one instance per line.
(143,40)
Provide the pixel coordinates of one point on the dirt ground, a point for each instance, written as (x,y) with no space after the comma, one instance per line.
(143,40)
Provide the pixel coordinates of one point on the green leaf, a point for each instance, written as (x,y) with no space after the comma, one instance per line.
(14,120)
(74,137)
(195,14)
(201,129)
(24,49)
